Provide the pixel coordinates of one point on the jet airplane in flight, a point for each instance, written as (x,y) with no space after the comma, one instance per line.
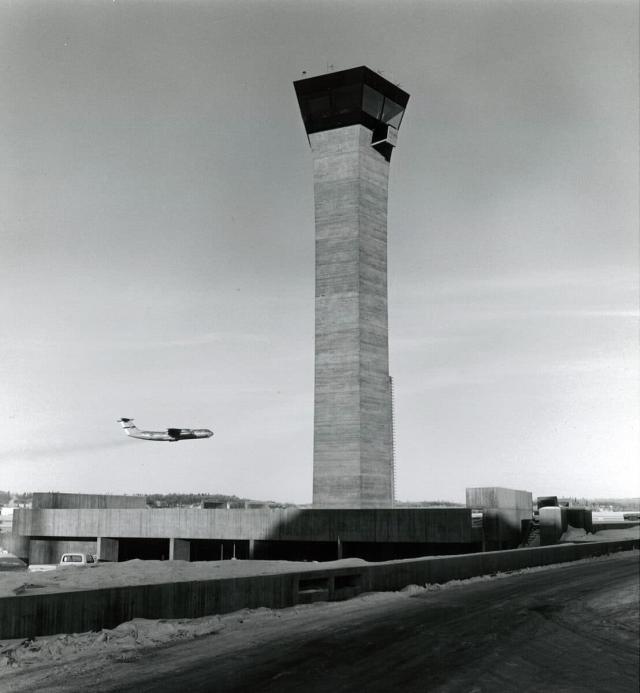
(171,434)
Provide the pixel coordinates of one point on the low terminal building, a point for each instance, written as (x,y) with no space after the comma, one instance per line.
(120,528)
(212,534)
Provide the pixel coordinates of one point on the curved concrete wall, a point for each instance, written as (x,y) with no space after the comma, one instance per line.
(551,524)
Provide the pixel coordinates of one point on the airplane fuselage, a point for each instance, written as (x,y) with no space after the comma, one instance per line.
(171,435)
(185,434)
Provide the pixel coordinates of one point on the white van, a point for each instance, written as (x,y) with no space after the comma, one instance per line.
(77,559)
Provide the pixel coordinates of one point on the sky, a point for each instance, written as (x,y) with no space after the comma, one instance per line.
(157,243)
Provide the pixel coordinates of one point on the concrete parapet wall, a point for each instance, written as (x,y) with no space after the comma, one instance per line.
(47,614)
(398,574)
(76,612)
(85,500)
(417,525)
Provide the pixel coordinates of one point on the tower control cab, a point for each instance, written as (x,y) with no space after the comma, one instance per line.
(351,97)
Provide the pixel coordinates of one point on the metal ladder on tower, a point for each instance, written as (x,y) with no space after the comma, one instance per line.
(393,442)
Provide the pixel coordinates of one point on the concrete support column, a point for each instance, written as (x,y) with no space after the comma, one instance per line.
(339,549)
(107,549)
(588,521)
(16,544)
(179,549)
(252,548)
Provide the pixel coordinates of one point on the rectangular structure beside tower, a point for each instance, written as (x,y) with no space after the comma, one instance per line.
(351,118)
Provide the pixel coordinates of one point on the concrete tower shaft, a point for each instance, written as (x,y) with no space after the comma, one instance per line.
(351,146)
(352,462)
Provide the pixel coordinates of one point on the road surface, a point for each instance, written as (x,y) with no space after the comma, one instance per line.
(568,628)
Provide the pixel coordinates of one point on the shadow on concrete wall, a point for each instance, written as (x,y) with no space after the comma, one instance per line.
(284,533)
(327,535)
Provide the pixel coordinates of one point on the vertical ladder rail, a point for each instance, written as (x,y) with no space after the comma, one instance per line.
(393,442)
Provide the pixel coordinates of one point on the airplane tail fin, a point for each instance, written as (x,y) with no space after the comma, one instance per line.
(127,424)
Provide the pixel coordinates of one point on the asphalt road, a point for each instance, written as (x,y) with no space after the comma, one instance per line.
(571,628)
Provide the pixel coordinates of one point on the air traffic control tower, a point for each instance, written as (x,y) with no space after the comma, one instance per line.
(352,119)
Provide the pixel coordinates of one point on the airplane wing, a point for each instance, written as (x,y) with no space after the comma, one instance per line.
(174,432)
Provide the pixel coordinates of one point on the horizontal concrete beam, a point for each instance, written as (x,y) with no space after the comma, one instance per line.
(47,614)
(85,500)
(416,525)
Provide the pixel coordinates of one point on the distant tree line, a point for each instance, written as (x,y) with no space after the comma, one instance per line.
(6,496)
(167,500)
(615,504)
(174,500)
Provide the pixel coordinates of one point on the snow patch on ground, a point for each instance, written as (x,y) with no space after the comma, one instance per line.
(573,534)
(607,516)
(121,641)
